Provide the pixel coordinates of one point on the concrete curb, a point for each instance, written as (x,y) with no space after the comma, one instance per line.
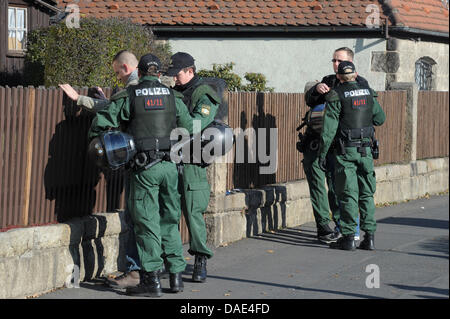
(39,259)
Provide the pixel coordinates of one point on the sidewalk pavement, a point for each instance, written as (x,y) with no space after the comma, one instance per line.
(410,262)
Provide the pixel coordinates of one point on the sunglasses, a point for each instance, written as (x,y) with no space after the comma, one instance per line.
(335,60)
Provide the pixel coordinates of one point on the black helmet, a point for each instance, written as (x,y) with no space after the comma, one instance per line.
(112,149)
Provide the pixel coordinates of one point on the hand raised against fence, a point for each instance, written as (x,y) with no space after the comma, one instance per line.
(71,93)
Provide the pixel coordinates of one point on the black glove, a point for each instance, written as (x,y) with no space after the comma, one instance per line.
(322,164)
(99,95)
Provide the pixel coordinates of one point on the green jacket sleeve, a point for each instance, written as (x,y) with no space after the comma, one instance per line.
(91,104)
(330,123)
(184,119)
(204,111)
(378,114)
(110,117)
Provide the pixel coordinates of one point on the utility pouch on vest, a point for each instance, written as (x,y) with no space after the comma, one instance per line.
(375,149)
(360,145)
(362,151)
(340,147)
(300,145)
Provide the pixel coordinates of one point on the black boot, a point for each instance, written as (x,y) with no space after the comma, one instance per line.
(176,282)
(149,285)
(346,242)
(199,273)
(327,235)
(368,243)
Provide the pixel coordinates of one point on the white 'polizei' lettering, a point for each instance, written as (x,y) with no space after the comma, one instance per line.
(357,92)
(152,91)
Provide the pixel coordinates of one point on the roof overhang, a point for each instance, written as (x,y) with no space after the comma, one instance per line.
(382,31)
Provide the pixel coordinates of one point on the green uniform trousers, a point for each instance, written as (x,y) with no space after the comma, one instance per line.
(355,184)
(321,200)
(154,204)
(196,192)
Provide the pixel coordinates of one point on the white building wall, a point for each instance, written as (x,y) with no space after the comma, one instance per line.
(287,63)
(410,51)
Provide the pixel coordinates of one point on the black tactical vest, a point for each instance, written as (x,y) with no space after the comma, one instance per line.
(153,115)
(356,113)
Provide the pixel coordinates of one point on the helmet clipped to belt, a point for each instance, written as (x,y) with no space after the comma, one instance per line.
(112,149)
(214,141)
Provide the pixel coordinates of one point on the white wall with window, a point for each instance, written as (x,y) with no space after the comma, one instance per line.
(425,63)
(17,28)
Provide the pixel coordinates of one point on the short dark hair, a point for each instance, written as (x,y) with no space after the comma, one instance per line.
(349,51)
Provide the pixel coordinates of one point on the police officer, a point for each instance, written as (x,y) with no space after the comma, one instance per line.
(202,103)
(321,200)
(150,111)
(351,112)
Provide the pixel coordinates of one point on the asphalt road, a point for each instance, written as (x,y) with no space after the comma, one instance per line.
(411,261)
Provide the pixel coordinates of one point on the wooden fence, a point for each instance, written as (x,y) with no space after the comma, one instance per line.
(45,176)
(284,112)
(432,124)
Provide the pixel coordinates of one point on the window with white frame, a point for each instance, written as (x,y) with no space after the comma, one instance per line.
(17,28)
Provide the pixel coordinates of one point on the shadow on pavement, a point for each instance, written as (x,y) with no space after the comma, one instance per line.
(291,237)
(299,288)
(417,222)
(438,291)
(439,244)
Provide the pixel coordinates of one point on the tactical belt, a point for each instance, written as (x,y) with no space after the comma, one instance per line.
(357,144)
(358,133)
(146,159)
(153,143)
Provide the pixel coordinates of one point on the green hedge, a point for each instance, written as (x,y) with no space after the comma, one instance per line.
(257,81)
(83,56)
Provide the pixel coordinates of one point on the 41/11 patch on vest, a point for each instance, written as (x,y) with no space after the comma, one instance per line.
(358,102)
(154,103)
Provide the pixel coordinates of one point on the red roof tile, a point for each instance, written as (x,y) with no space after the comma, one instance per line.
(421,14)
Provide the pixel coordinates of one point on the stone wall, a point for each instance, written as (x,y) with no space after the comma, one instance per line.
(40,259)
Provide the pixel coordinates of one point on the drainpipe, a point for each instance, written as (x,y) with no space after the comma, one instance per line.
(386,29)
